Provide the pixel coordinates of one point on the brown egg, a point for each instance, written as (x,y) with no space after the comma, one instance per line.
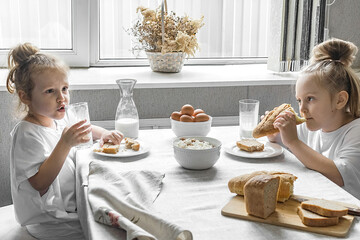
(187,109)
(186,118)
(176,116)
(201,117)
(197,111)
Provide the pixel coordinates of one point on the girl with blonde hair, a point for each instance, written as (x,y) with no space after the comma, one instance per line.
(42,159)
(328,92)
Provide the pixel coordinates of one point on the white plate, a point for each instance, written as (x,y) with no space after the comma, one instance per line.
(270,150)
(123,152)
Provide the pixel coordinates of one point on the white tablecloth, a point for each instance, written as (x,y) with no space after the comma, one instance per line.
(194,199)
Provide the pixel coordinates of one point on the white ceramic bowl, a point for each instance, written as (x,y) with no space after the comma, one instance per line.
(197,159)
(191,128)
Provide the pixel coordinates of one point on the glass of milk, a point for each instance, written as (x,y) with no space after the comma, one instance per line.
(248,117)
(75,113)
(127,118)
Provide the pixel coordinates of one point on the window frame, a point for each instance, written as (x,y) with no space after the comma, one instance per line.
(78,56)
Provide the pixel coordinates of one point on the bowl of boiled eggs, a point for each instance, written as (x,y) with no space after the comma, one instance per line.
(190,122)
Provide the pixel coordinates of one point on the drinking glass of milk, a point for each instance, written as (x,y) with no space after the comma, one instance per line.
(127,118)
(248,117)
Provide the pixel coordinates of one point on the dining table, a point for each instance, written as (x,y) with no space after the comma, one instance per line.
(193,199)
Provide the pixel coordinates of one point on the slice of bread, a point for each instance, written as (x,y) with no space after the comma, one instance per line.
(265,127)
(260,194)
(314,220)
(110,148)
(324,208)
(250,145)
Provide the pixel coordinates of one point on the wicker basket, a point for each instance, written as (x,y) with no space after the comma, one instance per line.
(168,62)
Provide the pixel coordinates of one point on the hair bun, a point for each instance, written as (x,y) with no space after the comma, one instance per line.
(335,50)
(22,53)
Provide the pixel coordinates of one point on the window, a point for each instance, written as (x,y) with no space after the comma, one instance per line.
(233,30)
(58,27)
(92,32)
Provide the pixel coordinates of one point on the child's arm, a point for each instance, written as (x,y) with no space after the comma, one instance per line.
(316,161)
(105,135)
(51,167)
(286,123)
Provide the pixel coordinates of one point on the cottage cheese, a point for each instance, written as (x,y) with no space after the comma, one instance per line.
(191,143)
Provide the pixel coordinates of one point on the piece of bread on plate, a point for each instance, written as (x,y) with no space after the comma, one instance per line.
(260,194)
(132,144)
(110,148)
(250,145)
(266,127)
(311,219)
(324,208)
(286,186)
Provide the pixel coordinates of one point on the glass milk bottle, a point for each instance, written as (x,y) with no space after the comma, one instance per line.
(127,118)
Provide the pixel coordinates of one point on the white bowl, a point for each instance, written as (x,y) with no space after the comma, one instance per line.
(191,128)
(197,159)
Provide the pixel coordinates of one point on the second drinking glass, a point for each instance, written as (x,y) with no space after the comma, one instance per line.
(248,117)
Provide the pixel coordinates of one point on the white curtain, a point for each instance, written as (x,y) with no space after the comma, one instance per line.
(233,28)
(45,23)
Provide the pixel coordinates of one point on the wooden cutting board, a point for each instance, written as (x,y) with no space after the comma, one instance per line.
(286,215)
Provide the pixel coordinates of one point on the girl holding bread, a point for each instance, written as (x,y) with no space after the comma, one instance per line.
(42,156)
(328,93)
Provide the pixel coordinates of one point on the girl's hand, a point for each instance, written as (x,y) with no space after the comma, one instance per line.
(286,123)
(272,137)
(76,134)
(114,136)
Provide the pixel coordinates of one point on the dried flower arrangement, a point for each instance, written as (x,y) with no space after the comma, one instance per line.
(179,35)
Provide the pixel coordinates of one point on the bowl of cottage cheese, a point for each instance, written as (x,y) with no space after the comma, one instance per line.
(196,153)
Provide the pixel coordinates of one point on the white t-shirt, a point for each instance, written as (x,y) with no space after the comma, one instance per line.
(343,147)
(31,145)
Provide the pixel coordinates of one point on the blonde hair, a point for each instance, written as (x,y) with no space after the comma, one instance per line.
(25,61)
(331,64)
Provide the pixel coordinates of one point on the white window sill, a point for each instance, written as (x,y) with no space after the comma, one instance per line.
(190,76)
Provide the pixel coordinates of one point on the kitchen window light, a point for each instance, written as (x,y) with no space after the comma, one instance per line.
(92,32)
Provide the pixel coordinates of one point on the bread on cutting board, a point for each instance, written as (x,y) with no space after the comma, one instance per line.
(286,187)
(260,194)
(311,219)
(324,208)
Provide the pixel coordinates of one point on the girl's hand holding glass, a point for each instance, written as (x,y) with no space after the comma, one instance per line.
(76,134)
(114,136)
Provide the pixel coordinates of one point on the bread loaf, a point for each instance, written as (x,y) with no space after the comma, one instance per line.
(250,145)
(324,208)
(314,220)
(266,127)
(260,194)
(236,184)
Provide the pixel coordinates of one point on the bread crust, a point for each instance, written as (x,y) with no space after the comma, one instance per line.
(324,208)
(266,127)
(314,220)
